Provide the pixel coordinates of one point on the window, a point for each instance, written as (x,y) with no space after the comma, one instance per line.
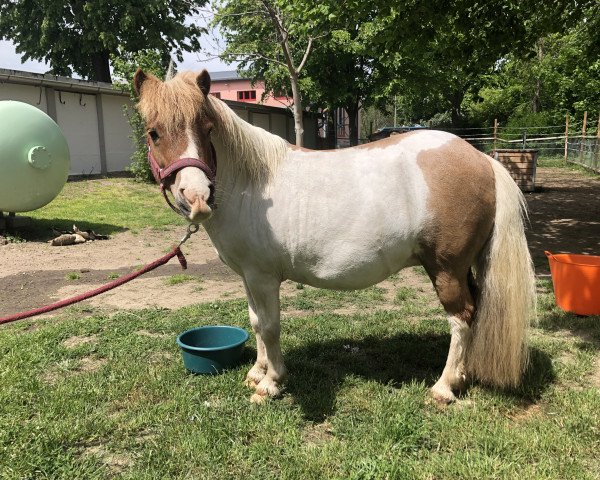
(216,94)
(245,95)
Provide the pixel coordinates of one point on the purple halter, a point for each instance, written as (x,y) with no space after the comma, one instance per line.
(162,174)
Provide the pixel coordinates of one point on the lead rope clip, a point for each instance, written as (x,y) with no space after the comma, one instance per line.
(192,228)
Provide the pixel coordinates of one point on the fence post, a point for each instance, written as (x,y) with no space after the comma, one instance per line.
(597,149)
(567,138)
(583,129)
(495,133)
(524,139)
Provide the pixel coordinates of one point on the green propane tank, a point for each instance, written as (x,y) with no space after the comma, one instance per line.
(34,158)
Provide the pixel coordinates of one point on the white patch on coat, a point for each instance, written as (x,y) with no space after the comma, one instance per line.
(343,219)
(192,179)
(191,150)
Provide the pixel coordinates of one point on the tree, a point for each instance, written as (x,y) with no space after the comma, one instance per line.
(80,35)
(442,51)
(273,40)
(558,74)
(150,61)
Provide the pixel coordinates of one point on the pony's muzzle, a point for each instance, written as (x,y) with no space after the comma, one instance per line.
(198,206)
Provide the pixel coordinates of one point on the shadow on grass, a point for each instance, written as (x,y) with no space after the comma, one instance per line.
(586,329)
(318,370)
(41,230)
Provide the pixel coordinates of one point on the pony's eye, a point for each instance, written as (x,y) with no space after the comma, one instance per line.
(153,135)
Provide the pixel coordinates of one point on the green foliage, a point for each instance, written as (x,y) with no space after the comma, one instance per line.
(151,61)
(106,206)
(77,36)
(448,57)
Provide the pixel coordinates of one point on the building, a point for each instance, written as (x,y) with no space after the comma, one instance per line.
(230,86)
(92,116)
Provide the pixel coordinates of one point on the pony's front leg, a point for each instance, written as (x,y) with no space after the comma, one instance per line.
(268,373)
(259,369)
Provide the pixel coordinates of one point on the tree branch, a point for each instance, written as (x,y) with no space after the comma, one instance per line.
(306,53)
(253,54)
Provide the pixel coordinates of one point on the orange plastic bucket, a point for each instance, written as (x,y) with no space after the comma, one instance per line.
(576,280)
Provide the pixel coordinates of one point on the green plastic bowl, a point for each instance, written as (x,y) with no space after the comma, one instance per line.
(210,350)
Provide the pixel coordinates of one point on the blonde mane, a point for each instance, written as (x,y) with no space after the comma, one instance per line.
(178,101)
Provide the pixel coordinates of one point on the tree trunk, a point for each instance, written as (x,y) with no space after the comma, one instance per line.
(455,111)
(353,123)
(298,118)
(101,67)
(537,96)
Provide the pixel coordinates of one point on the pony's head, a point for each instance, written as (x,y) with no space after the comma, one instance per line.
(178,128)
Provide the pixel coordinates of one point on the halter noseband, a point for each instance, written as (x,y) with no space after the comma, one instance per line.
(162,174)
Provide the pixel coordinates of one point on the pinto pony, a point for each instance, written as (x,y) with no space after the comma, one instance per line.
(347,219)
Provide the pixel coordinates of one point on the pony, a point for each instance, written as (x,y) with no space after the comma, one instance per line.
(348,219)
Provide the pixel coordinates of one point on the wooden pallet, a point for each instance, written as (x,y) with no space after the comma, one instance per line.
(521,164)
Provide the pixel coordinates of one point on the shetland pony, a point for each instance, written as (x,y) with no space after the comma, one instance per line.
(347,219)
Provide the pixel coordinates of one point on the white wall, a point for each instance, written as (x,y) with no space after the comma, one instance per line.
(78,119)
(24,93)
(118,144)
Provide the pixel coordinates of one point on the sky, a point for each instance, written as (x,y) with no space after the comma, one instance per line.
(10,59)
(212,43)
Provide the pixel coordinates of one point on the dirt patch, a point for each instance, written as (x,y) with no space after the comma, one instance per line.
(564,215)
(76,341)
(317,434)
(91,364)
(595,377)
(530,411)
(67,368)
(146,333)
(115,463)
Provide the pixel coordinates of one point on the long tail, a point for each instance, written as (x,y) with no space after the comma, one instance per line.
(499,353)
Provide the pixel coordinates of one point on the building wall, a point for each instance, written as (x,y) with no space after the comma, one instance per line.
(78,119)
(98,132)
(24,93)
(228,90)
(117,132)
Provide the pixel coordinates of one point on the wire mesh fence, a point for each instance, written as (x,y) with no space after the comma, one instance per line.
(584,151)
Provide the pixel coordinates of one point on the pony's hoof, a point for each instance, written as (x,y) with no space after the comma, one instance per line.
(250,383)
(442,395)
(268,388)
(258,399)
(255,376)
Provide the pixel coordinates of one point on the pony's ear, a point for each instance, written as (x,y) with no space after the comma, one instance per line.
(138,79)
(203,81)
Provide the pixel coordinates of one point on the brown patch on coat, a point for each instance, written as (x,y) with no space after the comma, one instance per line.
(462,202)
(156,106)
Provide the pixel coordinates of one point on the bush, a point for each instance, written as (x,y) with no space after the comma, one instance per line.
(151,61)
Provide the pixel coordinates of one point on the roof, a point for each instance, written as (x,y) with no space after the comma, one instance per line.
(223,76)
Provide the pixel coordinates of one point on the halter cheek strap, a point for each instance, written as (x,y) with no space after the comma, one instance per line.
(162,174)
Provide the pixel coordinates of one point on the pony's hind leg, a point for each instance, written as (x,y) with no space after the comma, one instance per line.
(268,373)
(456,295)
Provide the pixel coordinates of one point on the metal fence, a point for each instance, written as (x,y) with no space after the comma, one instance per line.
(573,142)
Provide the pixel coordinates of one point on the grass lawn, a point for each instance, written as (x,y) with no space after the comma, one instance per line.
(91,396)
(106,206)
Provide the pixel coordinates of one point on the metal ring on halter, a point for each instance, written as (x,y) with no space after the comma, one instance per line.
(192,228)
